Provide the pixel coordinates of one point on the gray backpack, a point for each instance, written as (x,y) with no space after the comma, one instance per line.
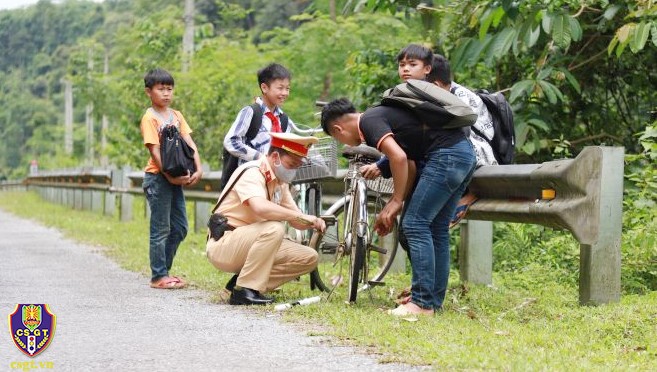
(433,105)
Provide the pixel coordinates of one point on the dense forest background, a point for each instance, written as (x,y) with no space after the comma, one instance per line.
(577,73)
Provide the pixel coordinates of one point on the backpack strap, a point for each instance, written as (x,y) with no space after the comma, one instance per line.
(225,191)
(284,120)
(256,122)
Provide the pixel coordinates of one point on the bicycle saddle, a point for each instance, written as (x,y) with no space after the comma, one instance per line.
(369,153)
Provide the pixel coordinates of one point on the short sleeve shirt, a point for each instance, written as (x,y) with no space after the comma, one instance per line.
(151,126)
(414,137)
(258,180)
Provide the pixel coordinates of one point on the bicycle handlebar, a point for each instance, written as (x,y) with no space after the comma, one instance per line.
(308,131)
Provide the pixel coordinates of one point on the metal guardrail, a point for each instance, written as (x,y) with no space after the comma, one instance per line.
(17,185)
(582,195)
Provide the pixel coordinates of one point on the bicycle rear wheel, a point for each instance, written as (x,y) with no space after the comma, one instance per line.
(379,253)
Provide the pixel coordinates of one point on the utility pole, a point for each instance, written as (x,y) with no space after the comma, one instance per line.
(68,116)
(188,36)
(104,161)
(89,119)
(328,77)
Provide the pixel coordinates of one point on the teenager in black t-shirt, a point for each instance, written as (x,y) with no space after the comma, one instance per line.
(449,164)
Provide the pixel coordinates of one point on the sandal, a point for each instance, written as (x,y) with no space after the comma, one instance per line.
(404,297)
(462,208)
(168,282)
(180,280)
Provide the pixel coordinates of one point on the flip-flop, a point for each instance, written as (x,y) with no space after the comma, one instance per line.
(180,280)
(167,282)
(462,209)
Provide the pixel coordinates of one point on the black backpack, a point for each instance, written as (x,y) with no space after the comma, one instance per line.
(229,161)
(504,137)
(176,155)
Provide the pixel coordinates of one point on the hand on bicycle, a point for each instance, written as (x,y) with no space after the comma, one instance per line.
(306,221)
(370,171)
(319,224)
(385,220)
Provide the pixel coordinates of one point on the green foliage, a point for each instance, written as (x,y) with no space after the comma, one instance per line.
(319,74)
(640,216)
(550,57)
(519,248)
(373,72)
(642,16)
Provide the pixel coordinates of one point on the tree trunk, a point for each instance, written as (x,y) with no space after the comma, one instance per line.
(188,36)
(332,9)
(89,120)
(89,142)
(104,160)
(68,117)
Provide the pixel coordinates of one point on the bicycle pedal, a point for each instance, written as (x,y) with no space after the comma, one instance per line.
(328,248)
(378,249)
(374,283)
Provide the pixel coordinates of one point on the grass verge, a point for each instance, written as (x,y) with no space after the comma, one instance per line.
(526,321)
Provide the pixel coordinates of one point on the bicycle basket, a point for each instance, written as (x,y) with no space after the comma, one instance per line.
(321,162)
(381,185)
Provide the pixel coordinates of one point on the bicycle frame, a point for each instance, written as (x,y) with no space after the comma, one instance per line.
(356,215)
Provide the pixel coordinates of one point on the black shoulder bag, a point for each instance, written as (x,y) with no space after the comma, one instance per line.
(176,155)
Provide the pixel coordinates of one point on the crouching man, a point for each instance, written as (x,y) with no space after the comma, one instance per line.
(248,224)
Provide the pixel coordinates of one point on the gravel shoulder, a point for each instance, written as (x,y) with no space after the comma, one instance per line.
(109,319)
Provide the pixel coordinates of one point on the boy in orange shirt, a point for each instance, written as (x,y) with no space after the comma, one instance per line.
(168,223)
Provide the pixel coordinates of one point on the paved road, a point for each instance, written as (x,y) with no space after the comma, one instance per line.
(108,319)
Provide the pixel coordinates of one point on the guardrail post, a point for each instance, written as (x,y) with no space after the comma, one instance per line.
(126,198)
(600,262)
(202,208)
(110,196)
(69,197)
(87,200)
(476,252)
(56,195)
(97,201)
(201,215)
(77,199)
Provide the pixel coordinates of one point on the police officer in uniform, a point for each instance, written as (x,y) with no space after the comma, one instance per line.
(256,206)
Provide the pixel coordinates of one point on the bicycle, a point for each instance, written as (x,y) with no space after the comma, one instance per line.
(320,163)
(306,187)
(349,232)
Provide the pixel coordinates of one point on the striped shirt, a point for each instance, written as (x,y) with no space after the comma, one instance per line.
(235,141)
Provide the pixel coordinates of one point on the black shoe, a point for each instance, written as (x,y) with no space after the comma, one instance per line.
(246,296)
(231,283)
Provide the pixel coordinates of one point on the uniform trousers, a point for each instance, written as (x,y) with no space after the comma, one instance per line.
(261,255)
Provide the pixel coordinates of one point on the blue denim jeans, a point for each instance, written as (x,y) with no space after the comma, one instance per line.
(168,222)
(426,223)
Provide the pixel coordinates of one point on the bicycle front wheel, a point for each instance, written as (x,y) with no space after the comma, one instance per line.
(379,253)
(356,267)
